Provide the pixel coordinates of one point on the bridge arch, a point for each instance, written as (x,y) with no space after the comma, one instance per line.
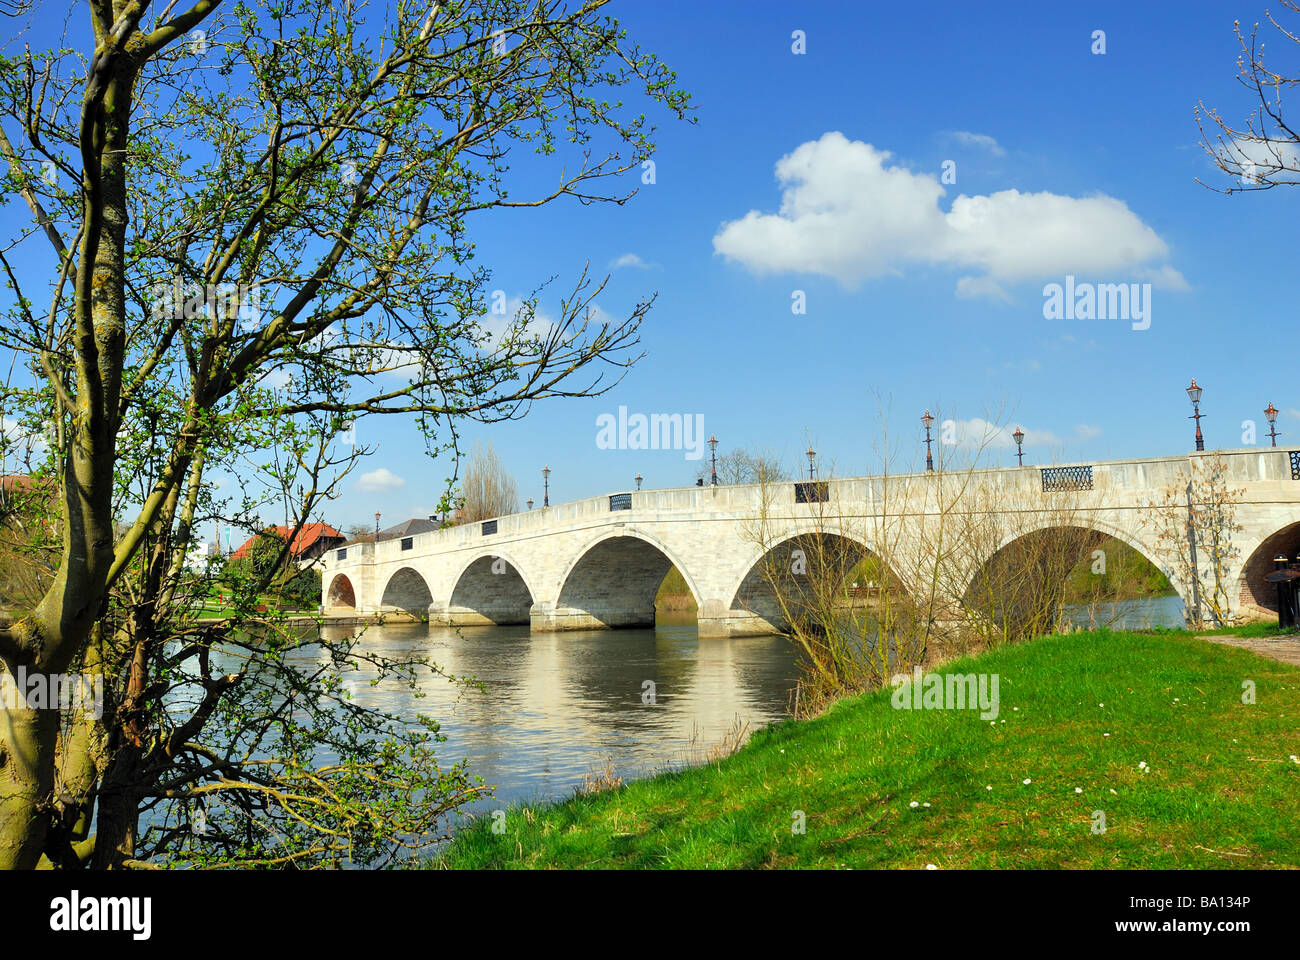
(1022,582)
(614,580)
(341,594)
(805,556)
(489,589)
(407,590)
(1258,563)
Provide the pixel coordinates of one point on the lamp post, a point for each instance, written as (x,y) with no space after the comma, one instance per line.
(929,460)
(529,501)
(1194,394)
(546,486)
(1271,413)
(812,456)
(638,478)
(376,524)
(713,453)
(1019,437)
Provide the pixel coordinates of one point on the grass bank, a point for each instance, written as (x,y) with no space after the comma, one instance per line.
(1150,729)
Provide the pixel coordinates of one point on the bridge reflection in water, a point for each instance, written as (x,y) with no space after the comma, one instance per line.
(558,706)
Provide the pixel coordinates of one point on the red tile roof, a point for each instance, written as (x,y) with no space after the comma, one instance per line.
(307,536)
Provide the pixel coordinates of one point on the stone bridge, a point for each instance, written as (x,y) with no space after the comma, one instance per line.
(600,562)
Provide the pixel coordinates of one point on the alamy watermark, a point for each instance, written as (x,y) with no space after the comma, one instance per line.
(656,431)
(52,691)
(946,691)
(1098,301)
(180,300)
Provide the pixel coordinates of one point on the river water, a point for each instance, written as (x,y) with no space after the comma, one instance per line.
(556,707)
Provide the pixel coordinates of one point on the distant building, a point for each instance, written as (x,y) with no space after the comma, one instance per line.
(199,556)
(313,540)
(407,528)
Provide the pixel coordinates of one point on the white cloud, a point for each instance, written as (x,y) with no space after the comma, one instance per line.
(499,325)
(847,214)
(981,140)
(380,481)
(1086,432)
(970,288)
(20,444)
(631,260)
(1260,158)
(276,379)
(978,432)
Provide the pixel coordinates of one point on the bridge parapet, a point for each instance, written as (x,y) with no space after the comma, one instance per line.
(707,531)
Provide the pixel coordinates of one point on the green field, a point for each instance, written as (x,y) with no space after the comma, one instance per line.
(1078,716)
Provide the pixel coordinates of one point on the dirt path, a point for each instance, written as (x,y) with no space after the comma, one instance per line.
(1285,648)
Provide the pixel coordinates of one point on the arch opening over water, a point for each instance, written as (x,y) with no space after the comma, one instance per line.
(406,590)
(1046,578)
(614,584)
(489,591)
(341,595)
(809,576)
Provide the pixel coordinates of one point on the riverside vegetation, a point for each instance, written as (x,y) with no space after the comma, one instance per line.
(1149,730)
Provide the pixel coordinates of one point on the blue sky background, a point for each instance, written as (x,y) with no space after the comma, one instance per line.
(721,339)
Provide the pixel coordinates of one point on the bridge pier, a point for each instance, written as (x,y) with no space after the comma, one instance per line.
(716,619)
(453,615)
(548,618)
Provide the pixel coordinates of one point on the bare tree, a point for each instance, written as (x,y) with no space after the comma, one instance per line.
(955,558)
(486,489)
(740,466)
(1265,153)
(1195,525)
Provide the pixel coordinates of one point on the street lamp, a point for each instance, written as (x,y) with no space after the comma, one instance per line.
(713,452)
(637,478)
(1194,394)
(529,501)
(1271,413)
(546,486)
(929,460)
(812,455)
(1019,437)
(376,524)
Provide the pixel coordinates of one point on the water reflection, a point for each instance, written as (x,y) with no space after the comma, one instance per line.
(1143,614)
(557,706)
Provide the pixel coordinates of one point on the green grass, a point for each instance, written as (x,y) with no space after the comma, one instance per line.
(1221,791)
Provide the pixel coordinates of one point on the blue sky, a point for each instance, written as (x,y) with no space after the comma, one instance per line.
(722,341)
(907,303)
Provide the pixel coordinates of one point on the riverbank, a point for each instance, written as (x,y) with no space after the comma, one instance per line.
(1141,735)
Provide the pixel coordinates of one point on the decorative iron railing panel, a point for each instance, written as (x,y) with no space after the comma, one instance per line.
(408,543)
(489,527)
(810,491)
(1067,478)
(620,501)
(341,554)
(1295,464)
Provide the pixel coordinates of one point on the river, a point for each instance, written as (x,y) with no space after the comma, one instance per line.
(557,707)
